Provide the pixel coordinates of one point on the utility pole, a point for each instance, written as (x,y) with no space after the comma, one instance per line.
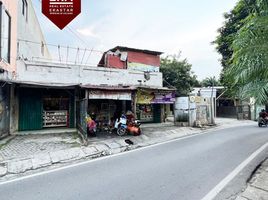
(212,103)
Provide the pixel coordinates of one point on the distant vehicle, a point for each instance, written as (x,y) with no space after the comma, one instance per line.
(263,118)
(262,122)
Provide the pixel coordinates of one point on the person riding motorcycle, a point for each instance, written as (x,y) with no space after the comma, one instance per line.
(263,114)
(263,118)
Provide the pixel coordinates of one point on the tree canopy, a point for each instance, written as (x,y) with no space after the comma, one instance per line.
(210,81)
(243,43)
(177,73)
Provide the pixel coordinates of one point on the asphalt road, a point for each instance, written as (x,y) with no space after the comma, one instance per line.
(184,169)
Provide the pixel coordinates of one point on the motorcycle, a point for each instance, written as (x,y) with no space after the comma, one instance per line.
(134,128)
(123,126)
(262,122)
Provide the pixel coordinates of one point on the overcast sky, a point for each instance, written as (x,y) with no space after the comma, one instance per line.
(169,26)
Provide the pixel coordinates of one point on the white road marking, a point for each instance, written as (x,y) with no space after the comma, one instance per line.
(100,158)
(218,188)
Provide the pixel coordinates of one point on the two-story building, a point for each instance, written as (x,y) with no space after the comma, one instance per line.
(37,93)
(148,100)
(19,31)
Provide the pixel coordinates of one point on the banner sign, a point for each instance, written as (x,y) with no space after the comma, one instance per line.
(142,67)
(61,12)
(97,94)
(152,97)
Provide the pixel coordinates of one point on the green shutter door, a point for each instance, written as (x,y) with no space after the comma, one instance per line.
(30,110)
(157,113)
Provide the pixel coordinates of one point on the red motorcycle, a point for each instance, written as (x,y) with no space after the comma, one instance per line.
(133,127)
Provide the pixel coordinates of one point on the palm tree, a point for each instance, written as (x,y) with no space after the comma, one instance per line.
(249,69)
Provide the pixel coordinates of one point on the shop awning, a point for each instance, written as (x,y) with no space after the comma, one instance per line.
(40,84)
(109,92)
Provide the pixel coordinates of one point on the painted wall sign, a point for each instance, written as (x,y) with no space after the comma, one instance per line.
(151,97)
(142,67)
(61,12)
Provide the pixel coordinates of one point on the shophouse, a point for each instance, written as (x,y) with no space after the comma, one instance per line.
(19,31)
(37,93)
(150,103)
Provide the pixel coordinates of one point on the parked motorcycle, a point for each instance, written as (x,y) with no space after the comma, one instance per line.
(123,126)
(262,122)
(134,128)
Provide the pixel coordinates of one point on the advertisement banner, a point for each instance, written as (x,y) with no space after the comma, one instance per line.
(152,97)
(61,12)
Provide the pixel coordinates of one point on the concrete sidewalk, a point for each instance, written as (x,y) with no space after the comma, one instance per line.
(28,153)
(257,188)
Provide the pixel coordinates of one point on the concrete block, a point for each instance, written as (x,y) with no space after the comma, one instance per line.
(102,148)
(114,151)
(144,137)
(3,170)
(65,155)
(20,166)
(253,193)
(41,160)
(112,145)
(122,142)
(241,198)
(90,151)
(262,181)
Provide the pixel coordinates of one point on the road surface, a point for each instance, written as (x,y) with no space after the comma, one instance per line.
(185,169)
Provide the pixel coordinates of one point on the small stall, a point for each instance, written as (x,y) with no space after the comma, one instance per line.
(150,103)
(106,103)
(46,107)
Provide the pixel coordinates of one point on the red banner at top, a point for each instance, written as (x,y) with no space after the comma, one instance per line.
(61,12)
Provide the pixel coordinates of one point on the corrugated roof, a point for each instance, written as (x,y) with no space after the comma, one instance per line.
(41,84)
(121,48)
(108,87)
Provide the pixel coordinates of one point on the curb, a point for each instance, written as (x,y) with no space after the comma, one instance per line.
(96,150)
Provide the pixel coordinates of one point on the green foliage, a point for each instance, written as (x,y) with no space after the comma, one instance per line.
(210,81)
(234,20)
(247,73)
(177,73)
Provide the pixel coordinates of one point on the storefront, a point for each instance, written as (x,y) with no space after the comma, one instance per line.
(104,103)
(150,105)
(46,108)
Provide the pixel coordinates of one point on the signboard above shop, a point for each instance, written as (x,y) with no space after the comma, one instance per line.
(155,97)
(113,95)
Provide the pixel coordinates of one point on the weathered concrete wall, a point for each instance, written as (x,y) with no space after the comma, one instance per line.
(29,29)
(43,72)
(11,7)
(197,109)
(14,109)
(4,109)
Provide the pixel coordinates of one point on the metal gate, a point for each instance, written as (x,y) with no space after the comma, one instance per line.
(81,116)
(4,110)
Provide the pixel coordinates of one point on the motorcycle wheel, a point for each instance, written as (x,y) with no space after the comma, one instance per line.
(121,131)
(138,132)
(260,125)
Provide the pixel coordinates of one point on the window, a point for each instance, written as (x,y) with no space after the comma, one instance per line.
(25,9)
(5,21)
